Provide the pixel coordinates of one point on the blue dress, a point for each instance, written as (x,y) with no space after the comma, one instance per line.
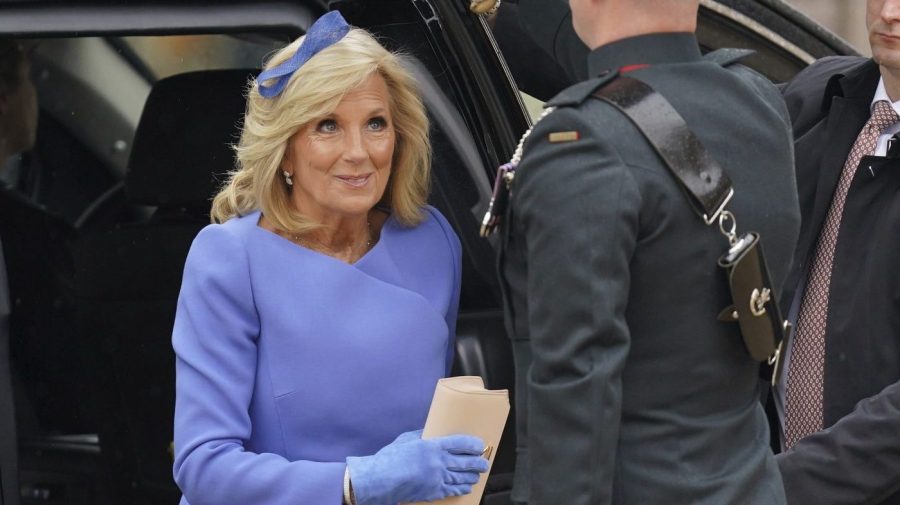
(288,360)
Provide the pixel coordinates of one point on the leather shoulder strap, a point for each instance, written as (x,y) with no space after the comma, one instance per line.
(706,184)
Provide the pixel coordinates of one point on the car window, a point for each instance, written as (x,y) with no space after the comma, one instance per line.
(91,93)
(170,55)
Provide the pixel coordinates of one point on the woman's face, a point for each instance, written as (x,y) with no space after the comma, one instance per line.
(340,164)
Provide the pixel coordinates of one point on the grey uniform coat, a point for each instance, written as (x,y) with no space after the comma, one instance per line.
(629,390)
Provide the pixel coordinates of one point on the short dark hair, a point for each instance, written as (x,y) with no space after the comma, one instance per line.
(11,56)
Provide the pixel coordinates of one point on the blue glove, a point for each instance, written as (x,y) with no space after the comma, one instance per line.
(410,469)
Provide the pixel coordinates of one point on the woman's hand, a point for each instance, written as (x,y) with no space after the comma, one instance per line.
(410,469)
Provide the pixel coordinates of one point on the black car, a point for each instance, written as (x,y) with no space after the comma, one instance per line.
(139,101)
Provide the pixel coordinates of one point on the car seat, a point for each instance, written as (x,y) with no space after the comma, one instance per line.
(128,277)
(39,268)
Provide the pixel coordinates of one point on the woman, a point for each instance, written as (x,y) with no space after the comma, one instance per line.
(315,320)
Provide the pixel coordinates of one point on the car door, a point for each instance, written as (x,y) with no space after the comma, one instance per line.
(105,455)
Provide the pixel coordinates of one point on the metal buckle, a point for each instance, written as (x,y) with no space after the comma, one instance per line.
(776,361)
(489,224)
(715,216)
(499,199)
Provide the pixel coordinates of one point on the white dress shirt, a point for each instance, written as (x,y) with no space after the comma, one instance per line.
(881,94)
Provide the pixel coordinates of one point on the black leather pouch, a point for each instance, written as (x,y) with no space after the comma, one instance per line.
(755,307)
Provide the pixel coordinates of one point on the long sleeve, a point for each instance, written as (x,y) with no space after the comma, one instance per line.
(577,206)
(215,340)
(854,462)
(455,249)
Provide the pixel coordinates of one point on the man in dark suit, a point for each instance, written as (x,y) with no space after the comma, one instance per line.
(549,23)
(534,69)
(839,401)
(629,390)
(536,38)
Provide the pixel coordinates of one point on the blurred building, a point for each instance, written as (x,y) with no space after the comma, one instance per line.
(847,18)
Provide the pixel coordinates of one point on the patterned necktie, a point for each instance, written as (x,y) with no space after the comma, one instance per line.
(803,404)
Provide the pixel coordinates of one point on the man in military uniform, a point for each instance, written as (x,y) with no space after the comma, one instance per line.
(629,390)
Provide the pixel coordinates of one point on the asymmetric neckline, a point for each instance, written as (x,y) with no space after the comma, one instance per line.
(386,229)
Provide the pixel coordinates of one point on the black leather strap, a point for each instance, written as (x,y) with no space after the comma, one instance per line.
(703,179)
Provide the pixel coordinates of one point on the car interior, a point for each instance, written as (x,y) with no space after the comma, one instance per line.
(140,104)
(101,218)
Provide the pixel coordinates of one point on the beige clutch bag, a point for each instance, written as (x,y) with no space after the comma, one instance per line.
(462,405)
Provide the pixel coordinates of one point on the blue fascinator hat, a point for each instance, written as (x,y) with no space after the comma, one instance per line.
(327,30)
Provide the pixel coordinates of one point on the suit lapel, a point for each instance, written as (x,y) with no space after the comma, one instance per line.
(845,121)
(846,117)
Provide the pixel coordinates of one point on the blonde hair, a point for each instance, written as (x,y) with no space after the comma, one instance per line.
(313,92)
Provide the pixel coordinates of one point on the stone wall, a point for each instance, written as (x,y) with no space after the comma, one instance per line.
(847,18)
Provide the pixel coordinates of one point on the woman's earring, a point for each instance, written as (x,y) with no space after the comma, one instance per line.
(287,178)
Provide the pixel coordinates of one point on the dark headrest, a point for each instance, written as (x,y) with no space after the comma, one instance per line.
(181,151)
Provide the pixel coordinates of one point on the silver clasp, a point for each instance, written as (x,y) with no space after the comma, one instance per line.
(730,232)
(717,214)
